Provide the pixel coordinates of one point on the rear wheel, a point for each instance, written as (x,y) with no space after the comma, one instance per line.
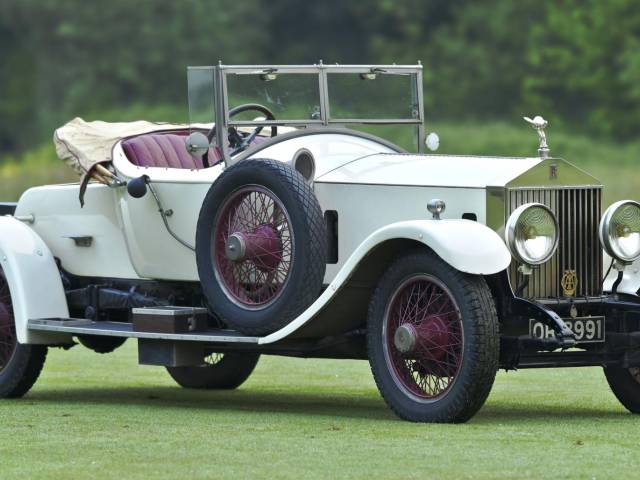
(101,344)
(625,385)
(432,340)
(220,371)
(20,365)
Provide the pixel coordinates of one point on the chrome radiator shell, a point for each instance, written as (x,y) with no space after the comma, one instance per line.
(578,210)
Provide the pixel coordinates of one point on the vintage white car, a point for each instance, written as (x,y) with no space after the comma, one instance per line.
(276,223)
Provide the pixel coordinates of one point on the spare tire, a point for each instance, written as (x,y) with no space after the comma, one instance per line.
(260,246)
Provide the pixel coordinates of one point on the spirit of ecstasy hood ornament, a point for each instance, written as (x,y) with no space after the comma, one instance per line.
(539,124)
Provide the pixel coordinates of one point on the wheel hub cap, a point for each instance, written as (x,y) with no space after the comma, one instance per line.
(429,338)
(263,247)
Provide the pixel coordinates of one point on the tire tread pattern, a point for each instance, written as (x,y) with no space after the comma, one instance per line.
(23,370)
(314,249)
(473,386)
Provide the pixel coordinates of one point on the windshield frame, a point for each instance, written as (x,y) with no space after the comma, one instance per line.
(222,120)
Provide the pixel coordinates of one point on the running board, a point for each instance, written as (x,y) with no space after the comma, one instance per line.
(119,329)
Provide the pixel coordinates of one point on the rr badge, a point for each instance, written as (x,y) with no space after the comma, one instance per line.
(569,283)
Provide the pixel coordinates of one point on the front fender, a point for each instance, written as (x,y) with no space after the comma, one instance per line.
(34,281)
(465,245)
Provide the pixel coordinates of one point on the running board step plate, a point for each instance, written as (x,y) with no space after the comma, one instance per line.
(118,329)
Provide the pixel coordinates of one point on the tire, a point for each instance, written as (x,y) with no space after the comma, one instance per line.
(446,324)
(625,385)
(260,246)
(221,372)
(20,365)
(100,344)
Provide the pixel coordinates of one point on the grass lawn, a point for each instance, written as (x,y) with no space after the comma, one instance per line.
(93,416)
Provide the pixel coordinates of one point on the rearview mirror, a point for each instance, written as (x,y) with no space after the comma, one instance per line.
(197,144)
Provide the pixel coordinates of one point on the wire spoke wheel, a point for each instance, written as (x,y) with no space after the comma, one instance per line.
(253,247)
(8,340)
(423,337)
(219,371)
(261,246)
(213,359)
(432,339)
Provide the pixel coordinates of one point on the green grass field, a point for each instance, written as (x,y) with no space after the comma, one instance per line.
(93,416)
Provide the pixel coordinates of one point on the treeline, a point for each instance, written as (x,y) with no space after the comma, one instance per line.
(575,61)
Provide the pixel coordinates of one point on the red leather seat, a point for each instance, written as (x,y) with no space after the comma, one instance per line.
(164,150)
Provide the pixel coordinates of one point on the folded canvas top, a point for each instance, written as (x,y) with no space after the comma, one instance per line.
(83,145)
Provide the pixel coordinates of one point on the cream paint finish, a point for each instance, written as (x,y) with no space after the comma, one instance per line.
(363,209)
(432,170)
(34,280)
(58,216)
(330,150)
(155,253)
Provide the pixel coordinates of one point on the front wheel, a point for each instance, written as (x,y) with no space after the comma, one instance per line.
(625,385)
(433,340)
(20,365)
(220,371)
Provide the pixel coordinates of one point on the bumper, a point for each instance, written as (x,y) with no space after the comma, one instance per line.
(621,345)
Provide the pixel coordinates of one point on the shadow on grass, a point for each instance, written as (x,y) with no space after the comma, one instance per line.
(357,406)
(243,400)
(510,413)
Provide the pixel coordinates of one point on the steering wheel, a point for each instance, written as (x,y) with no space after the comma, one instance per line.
(239,141)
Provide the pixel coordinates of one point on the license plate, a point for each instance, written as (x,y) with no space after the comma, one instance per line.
(586,329)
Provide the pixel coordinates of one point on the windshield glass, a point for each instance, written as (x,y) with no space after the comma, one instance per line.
(372,96)
(293,97)
(201,94)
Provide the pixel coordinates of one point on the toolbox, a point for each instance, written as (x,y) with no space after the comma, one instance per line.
(169,319)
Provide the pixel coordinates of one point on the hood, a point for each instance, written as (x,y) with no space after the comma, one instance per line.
(457,171)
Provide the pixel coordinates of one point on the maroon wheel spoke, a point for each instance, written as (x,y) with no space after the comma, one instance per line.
(254,226)
(426,312)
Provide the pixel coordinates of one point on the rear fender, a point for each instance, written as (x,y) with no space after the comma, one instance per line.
(34,281)
(467,246)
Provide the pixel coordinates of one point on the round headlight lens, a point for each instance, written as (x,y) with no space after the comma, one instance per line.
(620,231)
(532,233)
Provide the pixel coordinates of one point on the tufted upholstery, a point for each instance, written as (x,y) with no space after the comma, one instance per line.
(165,150)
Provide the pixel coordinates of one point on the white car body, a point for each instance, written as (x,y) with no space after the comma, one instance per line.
(130,240)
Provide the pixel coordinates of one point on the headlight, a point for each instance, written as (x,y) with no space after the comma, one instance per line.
(532,233)
(620,231)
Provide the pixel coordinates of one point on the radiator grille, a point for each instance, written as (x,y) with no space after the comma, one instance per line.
(578,211)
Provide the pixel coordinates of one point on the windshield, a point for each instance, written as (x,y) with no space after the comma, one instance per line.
(385,98)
